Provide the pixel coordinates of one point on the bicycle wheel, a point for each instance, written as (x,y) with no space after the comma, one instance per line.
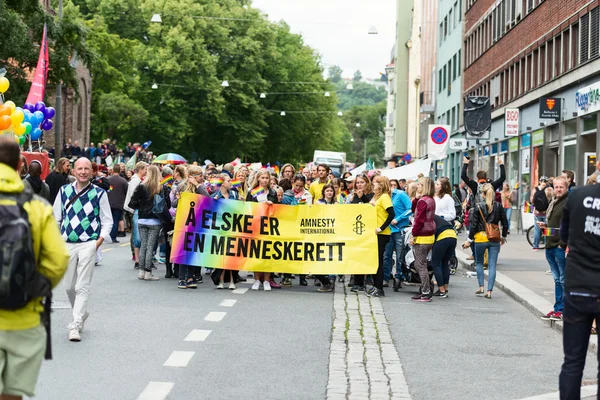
(530,235)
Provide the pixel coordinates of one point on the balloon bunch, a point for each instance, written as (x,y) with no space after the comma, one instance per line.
(30,120)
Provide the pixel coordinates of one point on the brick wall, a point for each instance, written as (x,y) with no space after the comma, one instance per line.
(522,38)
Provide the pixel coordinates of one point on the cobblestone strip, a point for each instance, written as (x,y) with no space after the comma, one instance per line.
(363,362)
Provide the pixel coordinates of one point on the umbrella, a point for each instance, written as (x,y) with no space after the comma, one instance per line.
(169,158)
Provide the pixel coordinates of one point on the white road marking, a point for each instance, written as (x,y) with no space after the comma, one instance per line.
(240,290)
(156,391)
(179,359)
(197,335)
(215,316)
(105,250)
(125,244)
(228,303)
(586,391)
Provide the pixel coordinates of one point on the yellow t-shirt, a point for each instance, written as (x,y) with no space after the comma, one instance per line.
(316,190)
(480,237)
(381,205)
(425,239)
(447,234)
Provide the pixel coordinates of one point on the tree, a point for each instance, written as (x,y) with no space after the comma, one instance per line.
(372,125)
(357,76)
(363,93)
(335,73)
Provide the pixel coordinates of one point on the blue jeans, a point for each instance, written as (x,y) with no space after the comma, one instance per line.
(493,249)
(556,258)
(396,243)
(116,215)
(135,232)
(580,312)
(537,233)
(508,212)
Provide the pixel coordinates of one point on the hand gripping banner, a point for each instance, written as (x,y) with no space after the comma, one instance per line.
(308,239)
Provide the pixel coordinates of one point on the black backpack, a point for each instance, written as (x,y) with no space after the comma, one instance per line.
(540,201)
(20,280)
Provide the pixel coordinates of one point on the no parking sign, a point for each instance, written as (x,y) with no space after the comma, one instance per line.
(438,139)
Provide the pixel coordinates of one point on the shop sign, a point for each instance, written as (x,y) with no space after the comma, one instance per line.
(538,138)
(588,99)
(504,146)
(513,144)
(511,122)
(458,144)
(526,140)
(525,156)
(551,107)
(494,148)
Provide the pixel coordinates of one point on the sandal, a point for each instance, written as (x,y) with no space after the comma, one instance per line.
(488,295)
(594,332)
(479,292)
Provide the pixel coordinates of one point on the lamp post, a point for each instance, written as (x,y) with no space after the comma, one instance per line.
(58,105)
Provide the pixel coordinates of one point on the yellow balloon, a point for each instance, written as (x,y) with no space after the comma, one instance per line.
(19,129)
(17,117)
(11,105)
(4,84)
(17,139)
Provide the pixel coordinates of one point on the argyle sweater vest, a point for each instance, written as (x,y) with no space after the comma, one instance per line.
(81,221)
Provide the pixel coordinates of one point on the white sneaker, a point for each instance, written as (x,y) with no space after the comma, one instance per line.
(232,286)
(220,286)
(85,316)
(74,335)
(149,277)
(266,285)
(141,274)
(256,285)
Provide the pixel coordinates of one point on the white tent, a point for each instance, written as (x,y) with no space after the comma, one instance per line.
(409,171)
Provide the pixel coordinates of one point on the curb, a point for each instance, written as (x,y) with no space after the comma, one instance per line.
(533,302)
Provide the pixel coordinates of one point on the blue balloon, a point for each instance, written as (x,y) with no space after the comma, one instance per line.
(28,116)
(38,118)
(36,134)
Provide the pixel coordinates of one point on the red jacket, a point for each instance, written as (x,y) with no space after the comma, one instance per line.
(424,225)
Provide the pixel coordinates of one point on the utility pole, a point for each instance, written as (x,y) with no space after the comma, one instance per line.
(58,106)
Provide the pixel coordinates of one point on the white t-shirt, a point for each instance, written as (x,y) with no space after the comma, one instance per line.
(444,207)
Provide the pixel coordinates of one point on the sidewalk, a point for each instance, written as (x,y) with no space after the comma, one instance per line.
(521,273)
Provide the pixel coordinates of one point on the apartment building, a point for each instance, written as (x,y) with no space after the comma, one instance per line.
(522,53)
(448,82)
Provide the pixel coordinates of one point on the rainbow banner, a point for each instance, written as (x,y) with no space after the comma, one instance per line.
(528,208)
(236,183)
(257,191)
(216,181)
(249,236)
(167,180)
(550,231)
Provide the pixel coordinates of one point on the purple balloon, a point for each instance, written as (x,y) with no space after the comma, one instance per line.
(40,106)
(47,125)
(49,112)
(30,107)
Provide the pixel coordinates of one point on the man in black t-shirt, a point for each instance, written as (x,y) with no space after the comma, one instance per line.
(580,230)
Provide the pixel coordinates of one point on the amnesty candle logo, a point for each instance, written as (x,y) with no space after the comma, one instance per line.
(359,226)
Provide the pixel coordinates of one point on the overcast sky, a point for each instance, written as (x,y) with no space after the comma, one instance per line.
(338,30)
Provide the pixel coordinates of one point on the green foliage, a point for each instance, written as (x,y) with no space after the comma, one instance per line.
(357,76)
(22,23)
(372,124)
(335,73)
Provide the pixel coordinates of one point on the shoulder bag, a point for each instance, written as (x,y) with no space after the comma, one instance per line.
(491,230)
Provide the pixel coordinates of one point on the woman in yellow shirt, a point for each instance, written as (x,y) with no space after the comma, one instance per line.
(382,201)
(441,254)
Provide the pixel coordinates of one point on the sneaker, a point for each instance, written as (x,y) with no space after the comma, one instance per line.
(548,316)
(442,295)
(376,293)
(191,284)
(149,277)
(232,286)
(182,285)
(479,292)
(221,285)
(208,271)
(557,316)
(535,249)
(372,290)
(266,286)
(317,283)
(303,282)
(85,317)
(357,289)
(488,295)
(141,274)
(286,282)
(256,285)
(74,335)
(549,272)
(115,241)
(274,285)
(161,260)
(425,298)
(199,280)
(325,288)
(136,265)
(386,283)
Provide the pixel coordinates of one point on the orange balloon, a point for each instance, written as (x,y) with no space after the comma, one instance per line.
(5,122)
(5,110)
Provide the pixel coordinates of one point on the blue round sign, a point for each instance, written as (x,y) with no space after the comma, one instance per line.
(439,135)
(407,157)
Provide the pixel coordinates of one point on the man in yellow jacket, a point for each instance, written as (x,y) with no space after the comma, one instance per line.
(316,188)
(22,335)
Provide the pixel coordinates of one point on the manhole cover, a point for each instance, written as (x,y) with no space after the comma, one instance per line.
(57,305)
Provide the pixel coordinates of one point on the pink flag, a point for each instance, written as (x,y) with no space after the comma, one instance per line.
(38,86)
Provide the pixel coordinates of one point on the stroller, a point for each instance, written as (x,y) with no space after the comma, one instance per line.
(411,275)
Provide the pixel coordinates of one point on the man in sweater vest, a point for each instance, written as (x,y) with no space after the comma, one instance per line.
(555,249)
(83,214)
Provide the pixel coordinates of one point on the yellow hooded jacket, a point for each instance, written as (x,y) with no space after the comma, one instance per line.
(51,254)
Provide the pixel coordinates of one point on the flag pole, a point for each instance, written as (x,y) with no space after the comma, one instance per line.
(58,120)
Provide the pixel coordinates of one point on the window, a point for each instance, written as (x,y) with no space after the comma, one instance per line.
(454,68)
(444,78)
(566,42)
(584,39)
(456,13)
(440,81)
(574,45)
(542,75)
(557,56)
(458,60)
(594,33)
(522,76)
(80,115)
(528,63)
(450,21)
(550,57)
(452,125)
(445,27)
(449,77)
(441,40)
(535,72)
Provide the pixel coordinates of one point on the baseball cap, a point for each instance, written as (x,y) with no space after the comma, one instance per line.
(350,178)
(543,178)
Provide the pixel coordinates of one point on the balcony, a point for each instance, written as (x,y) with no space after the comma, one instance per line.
(427,102)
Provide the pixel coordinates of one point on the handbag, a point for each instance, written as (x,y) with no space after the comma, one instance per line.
(491,230)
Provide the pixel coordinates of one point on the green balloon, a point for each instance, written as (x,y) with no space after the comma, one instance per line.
(22,140)
(27,127)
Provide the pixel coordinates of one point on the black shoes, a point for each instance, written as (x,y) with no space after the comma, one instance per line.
(303,281)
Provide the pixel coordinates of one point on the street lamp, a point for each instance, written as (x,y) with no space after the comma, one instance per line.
(263,95)
(373,30)
(327,94)
(340,113)
(349,86)
(282,113)
(156,18)
(154,86)
(358,124)
(225,84)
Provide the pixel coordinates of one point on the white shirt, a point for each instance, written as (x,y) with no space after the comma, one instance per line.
(133,183)
(106,219)
(444,207)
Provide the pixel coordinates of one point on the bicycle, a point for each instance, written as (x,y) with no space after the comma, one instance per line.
(530,235)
